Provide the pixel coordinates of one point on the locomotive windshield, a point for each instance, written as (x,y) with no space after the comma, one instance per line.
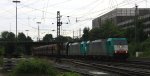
(120,42)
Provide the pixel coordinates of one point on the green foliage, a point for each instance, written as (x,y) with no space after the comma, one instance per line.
(95,34)
(63,39)
(20,50)
(8,36)
(133,48)
(34,67)
(1,55)
(9,49)
(4,34)
(21,37)
(1,61)
(140,35)
(146,54)
(1,51)
(146,48)
(130,34)
(146,45)
(48,38)
(69,74)
(108,30)
(137,33)
(140,47)
(85,36)
(29,39)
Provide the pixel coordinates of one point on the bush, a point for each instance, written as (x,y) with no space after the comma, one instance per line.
(140,47)
(135,47)
(1,55)
(33,67)
(1,51)
(146,48)
(146,54)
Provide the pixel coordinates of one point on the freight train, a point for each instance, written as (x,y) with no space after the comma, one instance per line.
(116,48)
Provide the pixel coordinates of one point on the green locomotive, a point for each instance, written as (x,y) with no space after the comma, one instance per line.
(110,48)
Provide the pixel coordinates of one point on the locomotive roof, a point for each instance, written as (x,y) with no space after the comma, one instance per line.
(74,43)
(110,39)
(83,42)
(100,40)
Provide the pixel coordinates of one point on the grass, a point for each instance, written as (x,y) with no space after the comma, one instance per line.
(37,67)
(33,67)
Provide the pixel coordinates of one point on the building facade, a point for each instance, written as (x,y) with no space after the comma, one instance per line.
(125,18)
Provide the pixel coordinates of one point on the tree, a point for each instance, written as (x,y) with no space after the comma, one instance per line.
(130,34)
(11,36)
(63,39)
(27,47)
(85,36)
(140,35)
(21,37)
(95,34)
(8,36)
(137,33)
(48,38)
(109,29)
(9,46)
(29,39)
(4,35)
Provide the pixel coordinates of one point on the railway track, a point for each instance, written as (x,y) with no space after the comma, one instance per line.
(120,68)
(141,65)
(67,65)
(126,70)
(63,67)
(139,62)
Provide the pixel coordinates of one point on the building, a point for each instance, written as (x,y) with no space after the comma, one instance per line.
(125,18)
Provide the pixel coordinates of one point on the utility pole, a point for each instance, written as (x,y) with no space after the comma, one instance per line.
(73,34)
(16,16)
(16,25)
(38,31)
(80,33)
(136,22)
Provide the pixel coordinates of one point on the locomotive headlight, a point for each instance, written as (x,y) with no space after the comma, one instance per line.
(115,51)
(120,46)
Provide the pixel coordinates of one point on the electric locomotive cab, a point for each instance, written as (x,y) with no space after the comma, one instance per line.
(118,48)
(84,47)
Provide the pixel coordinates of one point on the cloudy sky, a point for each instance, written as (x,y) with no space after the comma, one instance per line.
(80,12)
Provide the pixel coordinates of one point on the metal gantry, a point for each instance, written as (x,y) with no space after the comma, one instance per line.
(38,31)
(58,23)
